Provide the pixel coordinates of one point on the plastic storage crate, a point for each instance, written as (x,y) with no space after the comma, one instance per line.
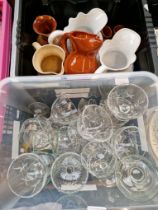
(5,38)
(17,93)
(129,13)
(5,44)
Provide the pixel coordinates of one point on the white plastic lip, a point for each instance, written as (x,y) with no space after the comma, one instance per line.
(77,77)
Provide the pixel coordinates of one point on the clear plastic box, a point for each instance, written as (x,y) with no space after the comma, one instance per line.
(15,96)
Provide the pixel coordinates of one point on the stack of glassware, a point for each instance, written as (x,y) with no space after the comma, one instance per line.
(94,138)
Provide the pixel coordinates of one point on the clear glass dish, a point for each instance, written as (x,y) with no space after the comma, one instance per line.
(67,173)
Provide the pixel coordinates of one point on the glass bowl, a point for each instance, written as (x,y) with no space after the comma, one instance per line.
(67,173)
(98,159)
(95,124)
(27,175)
(127,101)
(137,178)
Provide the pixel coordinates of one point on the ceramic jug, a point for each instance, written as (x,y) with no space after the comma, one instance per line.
(81,56)
(119,53)
(43,25)
(48,59)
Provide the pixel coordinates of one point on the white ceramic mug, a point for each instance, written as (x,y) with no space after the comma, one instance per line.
(118,54)
(48,59)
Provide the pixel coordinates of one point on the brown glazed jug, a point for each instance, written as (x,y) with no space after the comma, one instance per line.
(81,52)
(43,25)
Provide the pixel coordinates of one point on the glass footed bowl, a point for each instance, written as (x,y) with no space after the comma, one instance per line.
(63,111)
(127,101)
(95,124)
(67,173)
(137,178)
(35,135)
(81,130)
(98,159)
(67,142)
(116,123)
(27,175)
(126,141)
(74,134)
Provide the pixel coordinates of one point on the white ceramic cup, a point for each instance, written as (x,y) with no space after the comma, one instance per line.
(48,59)
(118,54)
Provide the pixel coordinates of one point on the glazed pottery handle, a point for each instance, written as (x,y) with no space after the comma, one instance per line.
(36,45)
(101,69)
(63,43)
